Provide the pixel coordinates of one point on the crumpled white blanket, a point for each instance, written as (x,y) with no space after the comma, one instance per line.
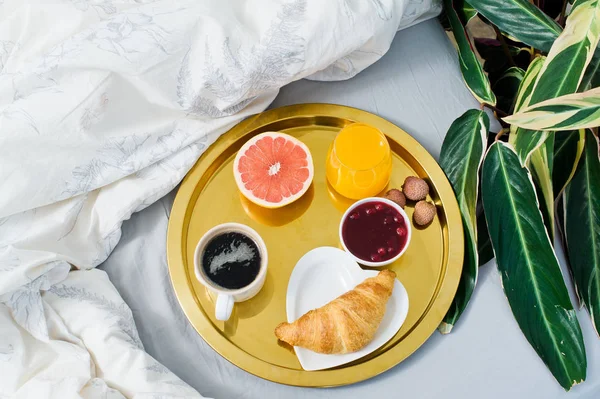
(104,106)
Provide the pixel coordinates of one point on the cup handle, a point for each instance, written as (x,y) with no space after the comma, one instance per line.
(223,307)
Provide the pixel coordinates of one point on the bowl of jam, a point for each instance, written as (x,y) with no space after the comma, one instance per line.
(375,231)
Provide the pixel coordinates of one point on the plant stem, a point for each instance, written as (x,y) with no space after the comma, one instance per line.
(500,134)
(505,48)
(497,110)
(562,17)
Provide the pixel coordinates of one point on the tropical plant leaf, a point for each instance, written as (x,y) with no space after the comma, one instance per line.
(506,88)
(560,74)
(582,228)
(560,217)
(535,149)
(526,141)
(591,78)
(569,112)
(568,147)
(484,245)
(529,269)
(460,158)
(570,54)
(528,82)
(472,72)
(521,20)
(541,165)
(465,11)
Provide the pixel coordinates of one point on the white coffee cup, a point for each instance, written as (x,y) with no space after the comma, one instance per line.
(226,297)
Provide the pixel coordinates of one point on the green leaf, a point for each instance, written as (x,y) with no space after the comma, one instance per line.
(540,165)
(568,147)
(535,149)
(529,269)
(484,245)
(472,72)
(460,158)
(570,54)
(560,74)
(560,216)
(582,228)
(569,112)
(528,81)
(526,141)
(591,78)
(465,11)
(520,20)
(506,87)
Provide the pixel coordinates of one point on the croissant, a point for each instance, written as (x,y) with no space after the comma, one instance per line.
(347,323)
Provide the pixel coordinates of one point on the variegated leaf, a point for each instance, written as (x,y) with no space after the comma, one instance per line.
(521,20)
(582,228)
(528,81)
(568,147)
(460,158)
(472,71)
(532,148)
(570,54)
(531,276)
(526,141)
(541,165)
(561,74)
(569,112)
(591,78)
(564,67)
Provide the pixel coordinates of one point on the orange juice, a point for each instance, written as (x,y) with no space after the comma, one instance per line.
(359,162)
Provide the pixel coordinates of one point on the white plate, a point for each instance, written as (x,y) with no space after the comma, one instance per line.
(322,275)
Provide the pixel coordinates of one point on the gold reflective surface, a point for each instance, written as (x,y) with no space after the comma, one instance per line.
(430,269)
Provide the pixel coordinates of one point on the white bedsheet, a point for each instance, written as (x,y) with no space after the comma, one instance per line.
(104,106)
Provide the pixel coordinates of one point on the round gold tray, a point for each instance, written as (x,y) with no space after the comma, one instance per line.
(430,269)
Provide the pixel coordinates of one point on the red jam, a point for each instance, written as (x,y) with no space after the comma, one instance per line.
(375,232)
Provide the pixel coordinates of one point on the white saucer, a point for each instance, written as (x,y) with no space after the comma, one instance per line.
(322,275)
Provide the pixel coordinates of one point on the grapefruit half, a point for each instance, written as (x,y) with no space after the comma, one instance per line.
(273,169)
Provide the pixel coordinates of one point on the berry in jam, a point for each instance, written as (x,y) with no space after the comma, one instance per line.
(375,231)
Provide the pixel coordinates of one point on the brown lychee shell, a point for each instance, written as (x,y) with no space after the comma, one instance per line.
(424,213)
(415,189)
(396,196)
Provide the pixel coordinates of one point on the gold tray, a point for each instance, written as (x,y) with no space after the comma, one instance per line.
(430,269)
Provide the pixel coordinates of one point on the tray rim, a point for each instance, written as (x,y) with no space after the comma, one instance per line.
(176,256)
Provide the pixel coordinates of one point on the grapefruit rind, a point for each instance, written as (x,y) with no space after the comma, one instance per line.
(285,200)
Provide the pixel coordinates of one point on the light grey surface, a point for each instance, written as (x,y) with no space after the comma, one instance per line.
(417,86)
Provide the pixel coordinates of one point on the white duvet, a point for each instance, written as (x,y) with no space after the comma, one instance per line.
(104,106)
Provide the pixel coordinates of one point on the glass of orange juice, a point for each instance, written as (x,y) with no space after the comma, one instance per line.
(359,161)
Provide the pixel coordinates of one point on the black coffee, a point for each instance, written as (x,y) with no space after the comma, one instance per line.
(231,260)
